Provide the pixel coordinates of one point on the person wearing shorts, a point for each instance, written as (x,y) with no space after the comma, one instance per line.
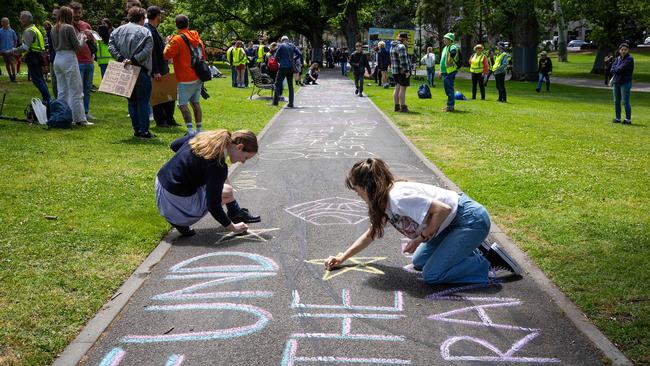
(401,67)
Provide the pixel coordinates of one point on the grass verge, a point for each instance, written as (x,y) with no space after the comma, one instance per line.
(580,63)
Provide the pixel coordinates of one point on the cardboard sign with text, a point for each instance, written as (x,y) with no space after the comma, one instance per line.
(119,79)
(164,90)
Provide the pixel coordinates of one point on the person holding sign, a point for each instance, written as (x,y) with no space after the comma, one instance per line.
(195,180)
(445,228)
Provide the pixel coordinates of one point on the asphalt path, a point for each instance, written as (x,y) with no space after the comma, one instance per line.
(265,298)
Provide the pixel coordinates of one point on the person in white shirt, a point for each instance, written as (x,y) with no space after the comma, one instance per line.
(445,228)
(430,61)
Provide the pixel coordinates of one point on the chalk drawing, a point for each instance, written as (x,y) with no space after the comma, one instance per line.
(190,292)
(346,303)
(331,211)
(250,235)
(453,290)
(264,264)
(346,327)
(116,355)
(247,180)
(113,358)
(262,315)
(289,358)
(482,314)
(360,264)
(410,172)
(501,356)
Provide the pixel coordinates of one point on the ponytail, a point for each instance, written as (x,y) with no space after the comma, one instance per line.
(211,145)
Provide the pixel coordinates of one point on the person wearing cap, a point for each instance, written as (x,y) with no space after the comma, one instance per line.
(622,70)
(401,67)
(478,67)
(448,68)
(286,54)
(544,69)
(499,69)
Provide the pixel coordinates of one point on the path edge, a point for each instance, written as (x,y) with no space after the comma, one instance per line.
(92,331)
(568,307)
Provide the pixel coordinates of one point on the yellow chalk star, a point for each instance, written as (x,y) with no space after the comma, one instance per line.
(254,235)
(358,264)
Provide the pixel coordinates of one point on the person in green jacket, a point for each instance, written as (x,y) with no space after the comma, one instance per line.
(448,69)
(499,69)
(103,55)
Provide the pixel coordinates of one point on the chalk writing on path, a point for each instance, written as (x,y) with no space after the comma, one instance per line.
(203,267)
(247,180)
(410,172)
(249,235)
(459,316)
(116,355)
(290,355)
(331,211)
(360,264)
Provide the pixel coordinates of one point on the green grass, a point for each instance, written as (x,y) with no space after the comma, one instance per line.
(569,186)
(580,63)
(98,182)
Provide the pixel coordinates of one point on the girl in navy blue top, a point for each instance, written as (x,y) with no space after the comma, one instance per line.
(195,180)
(622,70)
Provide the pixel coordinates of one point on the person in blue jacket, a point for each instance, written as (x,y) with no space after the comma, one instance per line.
(622,70)
(195,180)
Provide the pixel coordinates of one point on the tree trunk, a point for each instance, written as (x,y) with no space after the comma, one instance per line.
(599,62)
(351,24)
(316,41)
(562,33)
(466,48)
(525,38)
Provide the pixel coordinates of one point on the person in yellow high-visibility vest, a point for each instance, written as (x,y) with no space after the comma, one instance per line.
(448,68)
(33,46)
(478,67)
(103,55)
(239,61)
(499,69)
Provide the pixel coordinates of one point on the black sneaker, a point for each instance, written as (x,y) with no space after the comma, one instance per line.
(145,135)
(245,216)
(627,121)
(616,120)
(356,91)
(498,257)
(184,230)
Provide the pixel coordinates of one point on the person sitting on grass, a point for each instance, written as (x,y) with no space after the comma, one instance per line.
(195,180)
(312,74)
(446,228)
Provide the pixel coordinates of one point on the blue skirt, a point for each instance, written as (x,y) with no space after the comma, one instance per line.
(180,210)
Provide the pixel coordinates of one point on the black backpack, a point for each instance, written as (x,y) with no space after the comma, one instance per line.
(458,59)
(200,67)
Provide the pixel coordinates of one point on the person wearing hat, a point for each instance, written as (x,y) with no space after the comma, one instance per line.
(499,69)
(478,67)
(622,70)
(401,67)
(448,69)
(544,69)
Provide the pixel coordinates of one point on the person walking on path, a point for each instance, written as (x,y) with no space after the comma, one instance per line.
(401,67)
(189,85)
(499,70)
(163,113)
(195,180)
(132,44)
(8,41)
(544,69)
(445,228)
(478,67)
(66,69)
(622,70)
(33,45)
(286,55)
(383,63)
(360,65)
(429,60)
(344,57)
(85,55)
(448,68)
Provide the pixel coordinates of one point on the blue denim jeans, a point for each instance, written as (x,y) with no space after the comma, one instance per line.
(344,68)
(448,83)
(102,69)
(87,73)
(279,79)
(453,255)
(622,91)
(541,81)
(36,74)
(233,76)
(139,103)
(431,76)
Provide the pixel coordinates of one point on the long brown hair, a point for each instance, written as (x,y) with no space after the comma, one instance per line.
(374,176)
(63,16)
(212,145)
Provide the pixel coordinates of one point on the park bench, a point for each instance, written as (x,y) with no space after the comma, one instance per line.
(259,83)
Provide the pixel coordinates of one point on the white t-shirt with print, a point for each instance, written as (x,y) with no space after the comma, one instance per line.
(409,202)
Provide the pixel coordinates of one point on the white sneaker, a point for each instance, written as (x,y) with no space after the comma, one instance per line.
(150,117)
(90,116)
(85,123)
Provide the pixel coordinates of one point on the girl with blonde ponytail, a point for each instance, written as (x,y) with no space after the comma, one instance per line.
(445,228)
(195,180)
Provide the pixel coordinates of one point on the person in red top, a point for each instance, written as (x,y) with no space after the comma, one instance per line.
(189,85)
(84,55)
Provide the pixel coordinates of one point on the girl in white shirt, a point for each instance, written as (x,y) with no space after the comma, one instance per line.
(445,227)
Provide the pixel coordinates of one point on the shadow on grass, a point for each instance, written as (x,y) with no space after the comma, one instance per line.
(138,141)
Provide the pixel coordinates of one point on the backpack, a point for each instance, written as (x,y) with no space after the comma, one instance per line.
(196,60)
(458,59)
(273,64)
(424,92)
(60,115)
